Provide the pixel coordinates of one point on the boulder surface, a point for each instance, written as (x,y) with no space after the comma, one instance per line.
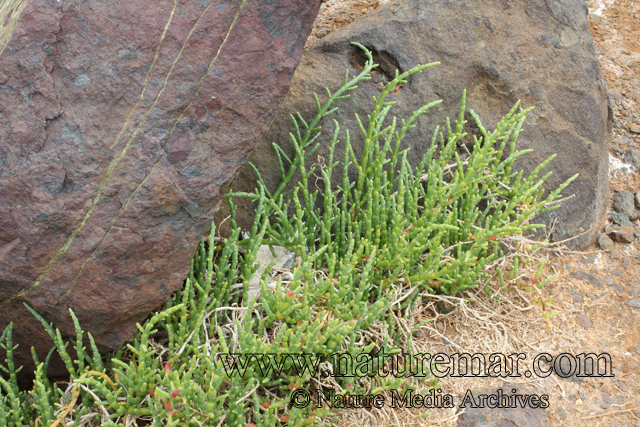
(122,123)
(535,51)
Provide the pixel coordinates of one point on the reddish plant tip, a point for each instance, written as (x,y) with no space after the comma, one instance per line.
(152,393)
(175,393)
(266,405)
(290,294)
(349,385)
(167,367)
(284,418)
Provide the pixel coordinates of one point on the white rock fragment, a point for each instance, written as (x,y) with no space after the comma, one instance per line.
(264,258)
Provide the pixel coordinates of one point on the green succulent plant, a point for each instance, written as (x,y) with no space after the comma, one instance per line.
(379,244)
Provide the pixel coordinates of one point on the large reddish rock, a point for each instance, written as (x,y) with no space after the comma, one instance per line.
(122,123)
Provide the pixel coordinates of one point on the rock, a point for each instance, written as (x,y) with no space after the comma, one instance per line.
(621,219)
(584,321)
(576,297)
(566,367)
(615,95)
(419,335)
(633,157)
(610,400)
(104,192)
(637,200)
(618,150)
(623,235)
(594,280)
(605,243)
(622,386)
(501,416)
(634,128)
(635,302)
(552,66)
(623,202)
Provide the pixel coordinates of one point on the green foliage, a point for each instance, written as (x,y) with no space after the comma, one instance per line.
(434,227)
(378,244)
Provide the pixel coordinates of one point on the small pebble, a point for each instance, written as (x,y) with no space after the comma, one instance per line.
(623,234)
(621,219)
(634,303)
(576,298)
(623,202)
(584,321)
(605,243)
(563,413)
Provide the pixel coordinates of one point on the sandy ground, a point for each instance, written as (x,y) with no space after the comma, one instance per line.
(592,316)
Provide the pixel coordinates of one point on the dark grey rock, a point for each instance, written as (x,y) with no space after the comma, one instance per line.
(618,150)
(502,417)
(605,242)
(633,157)
(594,280)
(621,219)
(608,281)
(619,288)
(555,69)
(566,367)
(623,202)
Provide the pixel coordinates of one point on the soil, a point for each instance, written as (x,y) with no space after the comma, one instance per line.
(593,312)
